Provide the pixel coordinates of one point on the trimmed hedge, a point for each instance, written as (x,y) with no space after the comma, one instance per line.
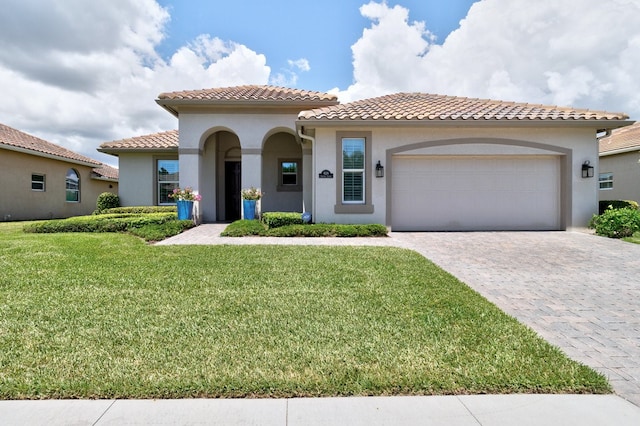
(244,228)
(142,209)
(151,226)
(279,219)
(616,204)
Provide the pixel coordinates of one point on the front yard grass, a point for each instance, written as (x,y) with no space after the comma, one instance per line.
(107,316)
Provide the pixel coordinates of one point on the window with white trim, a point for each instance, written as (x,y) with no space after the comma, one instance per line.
(353,170)
(168,178)
(72,185)
(605,180)
(38,182)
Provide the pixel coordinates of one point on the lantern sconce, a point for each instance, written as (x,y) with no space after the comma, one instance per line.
(587,170)
(379,170)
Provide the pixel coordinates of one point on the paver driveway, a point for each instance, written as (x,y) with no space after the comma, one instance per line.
(580,292)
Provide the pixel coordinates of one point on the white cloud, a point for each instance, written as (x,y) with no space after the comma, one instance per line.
(302,64)
(80,73)
(574,52)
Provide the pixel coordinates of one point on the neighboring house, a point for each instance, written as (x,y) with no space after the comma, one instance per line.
(42,180)
(619,177)
(411,161)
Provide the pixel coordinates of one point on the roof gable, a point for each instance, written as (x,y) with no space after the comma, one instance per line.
(621,140)
(16,140)
(425,107)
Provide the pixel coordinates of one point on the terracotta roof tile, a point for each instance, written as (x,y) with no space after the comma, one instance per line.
(105,171)
(249,93)
(621,139)
(424,106)
(10,137)
(157,141)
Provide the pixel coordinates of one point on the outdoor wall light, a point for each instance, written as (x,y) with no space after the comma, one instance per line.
(379,170)
(587,170)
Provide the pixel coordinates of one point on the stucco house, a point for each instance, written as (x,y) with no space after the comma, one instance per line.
(619,177)
(411,161)
(42,180)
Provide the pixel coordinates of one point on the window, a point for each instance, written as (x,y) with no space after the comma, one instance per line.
(606,180)
(168,179)
(353,170)
(289,175)
(289,172)
(72,185)
(37,182)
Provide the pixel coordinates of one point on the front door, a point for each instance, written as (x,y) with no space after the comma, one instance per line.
(232,182)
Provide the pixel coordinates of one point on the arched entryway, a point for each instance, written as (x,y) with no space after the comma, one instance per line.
(282,173)
(221,172)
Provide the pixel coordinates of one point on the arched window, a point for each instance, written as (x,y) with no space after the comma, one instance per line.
(73,186)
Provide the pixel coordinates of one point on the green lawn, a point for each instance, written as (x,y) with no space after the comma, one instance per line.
(105,316)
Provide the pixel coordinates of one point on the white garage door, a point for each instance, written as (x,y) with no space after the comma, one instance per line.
(475,193)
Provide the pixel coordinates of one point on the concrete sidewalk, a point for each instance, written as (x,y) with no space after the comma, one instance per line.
(486,410)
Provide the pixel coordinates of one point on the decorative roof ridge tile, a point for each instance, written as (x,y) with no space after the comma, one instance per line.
(249,93)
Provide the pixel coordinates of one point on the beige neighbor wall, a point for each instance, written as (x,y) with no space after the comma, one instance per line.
(19,202)
(581,142)
(626,176)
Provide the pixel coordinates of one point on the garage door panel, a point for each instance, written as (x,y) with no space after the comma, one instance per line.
(475,193)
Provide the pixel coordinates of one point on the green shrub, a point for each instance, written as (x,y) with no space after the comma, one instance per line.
(99,223)
(279,219)
(617,223)
(243,228)
(107,200)
(604,205)
(142,209)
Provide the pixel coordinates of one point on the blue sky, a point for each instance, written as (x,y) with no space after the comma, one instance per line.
(79,73)
(322,31)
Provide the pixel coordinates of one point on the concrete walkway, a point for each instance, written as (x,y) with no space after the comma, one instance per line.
(578,291)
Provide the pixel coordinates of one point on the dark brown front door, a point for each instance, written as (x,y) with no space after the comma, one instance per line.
(232,182)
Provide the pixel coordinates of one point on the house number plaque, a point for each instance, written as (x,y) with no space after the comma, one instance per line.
(325,174)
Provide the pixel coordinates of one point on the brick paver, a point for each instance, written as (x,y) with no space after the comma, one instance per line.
(578,291)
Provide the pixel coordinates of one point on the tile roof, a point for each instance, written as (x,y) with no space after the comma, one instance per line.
(157,141)
(11,138)
(105,171)
(429,107)
(623,139)
(250,93)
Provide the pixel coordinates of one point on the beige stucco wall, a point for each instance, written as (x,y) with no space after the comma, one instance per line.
(19,202)
(137,179)
(581,142)
(626,176)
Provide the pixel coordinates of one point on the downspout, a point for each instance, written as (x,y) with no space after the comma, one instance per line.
(313,172)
